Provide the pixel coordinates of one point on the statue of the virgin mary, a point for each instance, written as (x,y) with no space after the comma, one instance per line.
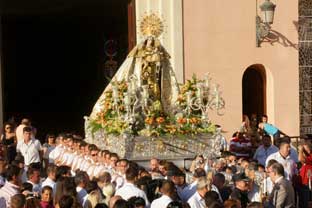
(147,65)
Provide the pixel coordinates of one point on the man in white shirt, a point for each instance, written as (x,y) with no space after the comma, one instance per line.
(129,189)
(30,148)
(197,200)
(50,180)
(265,150)
(11,186)
(19,130)
(283,157)
(168,192)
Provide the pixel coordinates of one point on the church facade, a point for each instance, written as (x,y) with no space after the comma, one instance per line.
(219,37)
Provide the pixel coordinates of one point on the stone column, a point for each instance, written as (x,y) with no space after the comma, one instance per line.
(172,38)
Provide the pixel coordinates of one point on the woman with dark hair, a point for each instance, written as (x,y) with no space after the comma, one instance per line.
(48,146)
(8,140)
(305,157)
(121,203)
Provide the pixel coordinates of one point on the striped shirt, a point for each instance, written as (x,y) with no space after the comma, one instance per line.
(6,192)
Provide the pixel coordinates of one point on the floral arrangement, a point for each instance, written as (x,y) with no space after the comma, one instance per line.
(155,122)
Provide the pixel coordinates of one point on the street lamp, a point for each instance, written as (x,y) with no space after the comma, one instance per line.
(263,25)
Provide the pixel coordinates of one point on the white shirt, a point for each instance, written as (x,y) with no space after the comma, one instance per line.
(129,190)
(6,192)
(262,153)
(288,164)
(55,152)
(196,201)
(49,182)
(161,202)
(30,151)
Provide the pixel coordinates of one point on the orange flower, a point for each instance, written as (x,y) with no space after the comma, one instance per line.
(149,120)
(160,120)
(193,120)
(181,120)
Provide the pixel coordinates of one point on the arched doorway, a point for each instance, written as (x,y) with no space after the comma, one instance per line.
(254,91)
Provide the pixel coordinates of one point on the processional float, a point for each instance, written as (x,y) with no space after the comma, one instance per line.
(144,112)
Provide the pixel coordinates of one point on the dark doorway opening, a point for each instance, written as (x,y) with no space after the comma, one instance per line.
(53,59)
(254,91)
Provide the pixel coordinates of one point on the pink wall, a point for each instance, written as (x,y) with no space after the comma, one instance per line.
(219,37)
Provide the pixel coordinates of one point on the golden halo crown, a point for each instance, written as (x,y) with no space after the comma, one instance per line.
(151,25)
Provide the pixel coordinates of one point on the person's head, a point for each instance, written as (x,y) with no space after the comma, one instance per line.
(307,147)
(255,205)
(51,171)
(175,204)
(8,128)
(176,175)
(264,119)
(232,203)
(33,175)
(266,140)
(219,180)
(277,171)
(13,174)
(50,139)
(105,177)
(284,147)
(123,165)
(62,171)
(27,133)
(203,186)
(121,203)
(66,201)
(46,194)
(211,197)
(18,201)
(81,179)
(131,175)
(137,202)
(198,173)
(113,159)
(26,122)
(154,164)
(163,167)
(241,181)
(113,200)
(26,189)
(101,205)
(168,188)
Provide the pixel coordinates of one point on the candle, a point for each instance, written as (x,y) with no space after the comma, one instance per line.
(199,90)
(127,99)
(206,78)
(115,92)
(188,97)
(133,85)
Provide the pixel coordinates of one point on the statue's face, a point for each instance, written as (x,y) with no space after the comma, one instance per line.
(149,41)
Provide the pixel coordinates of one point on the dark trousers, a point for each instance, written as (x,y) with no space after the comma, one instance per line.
(304,196)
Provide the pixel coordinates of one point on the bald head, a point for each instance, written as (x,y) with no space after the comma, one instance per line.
(154,164)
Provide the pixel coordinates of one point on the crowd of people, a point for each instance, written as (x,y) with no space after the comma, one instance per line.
(259,168)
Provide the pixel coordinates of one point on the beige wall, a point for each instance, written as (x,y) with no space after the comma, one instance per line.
(219,37)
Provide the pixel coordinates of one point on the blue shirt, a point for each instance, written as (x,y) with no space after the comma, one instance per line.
(270,129)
